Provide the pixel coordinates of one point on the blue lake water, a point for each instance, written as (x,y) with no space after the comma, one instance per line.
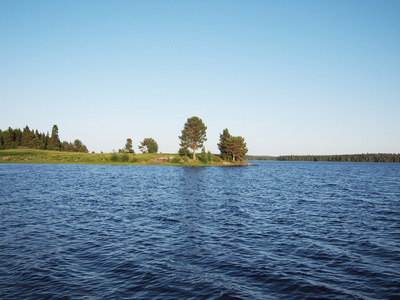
(282,230)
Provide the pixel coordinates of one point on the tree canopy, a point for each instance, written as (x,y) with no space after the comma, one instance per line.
(232,147)
(26,138)
(149,145)
(193,134)
(128,146)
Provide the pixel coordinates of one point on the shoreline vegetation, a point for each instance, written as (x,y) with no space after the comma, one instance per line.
(33,156)
(30,146)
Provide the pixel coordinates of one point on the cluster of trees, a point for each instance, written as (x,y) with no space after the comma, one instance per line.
(26,138)
(377,157)
(194,135)
(231,147)
(149,145)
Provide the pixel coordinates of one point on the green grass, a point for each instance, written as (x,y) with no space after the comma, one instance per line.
(31,156)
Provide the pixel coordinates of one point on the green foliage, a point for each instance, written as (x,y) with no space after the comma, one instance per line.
(77,146)
(193,134)
(216,159)
(149,145)
(232,147)
(205,157)
(369,157)
(114,156)
(223,139)
(183,151)
(176,160)
(54,142)
(128,146)
(259,157)
(63,157)
(15,138)
(124,157)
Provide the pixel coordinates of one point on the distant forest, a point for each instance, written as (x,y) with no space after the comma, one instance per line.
(369,157)
(380,157)
(26,138)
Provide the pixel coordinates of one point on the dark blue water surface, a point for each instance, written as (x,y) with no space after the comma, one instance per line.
(282,230)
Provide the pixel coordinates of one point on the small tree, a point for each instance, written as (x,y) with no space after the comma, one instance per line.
(205,157)
(193,134)
(80,147)
(128,146)
(149,145)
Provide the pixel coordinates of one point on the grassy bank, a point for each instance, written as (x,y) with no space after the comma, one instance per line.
(31,156)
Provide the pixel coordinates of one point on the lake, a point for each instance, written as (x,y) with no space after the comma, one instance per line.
(281,230)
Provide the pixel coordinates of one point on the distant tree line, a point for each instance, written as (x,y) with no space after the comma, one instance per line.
(259,157)
(33,139)
(369,157)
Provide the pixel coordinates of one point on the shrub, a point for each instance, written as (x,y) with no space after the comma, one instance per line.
(124,157)
(216,159)
(114,156)
(176,160)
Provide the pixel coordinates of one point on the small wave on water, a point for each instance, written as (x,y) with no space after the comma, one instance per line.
(280,230)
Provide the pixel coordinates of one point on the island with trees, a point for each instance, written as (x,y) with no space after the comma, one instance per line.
(30,146)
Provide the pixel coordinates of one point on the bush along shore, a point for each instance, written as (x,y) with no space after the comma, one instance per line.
(33,156)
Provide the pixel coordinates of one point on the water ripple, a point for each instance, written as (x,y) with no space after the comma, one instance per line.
(280,230)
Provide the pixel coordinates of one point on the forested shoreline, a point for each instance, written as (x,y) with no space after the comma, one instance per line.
(231,147)
(33,139)
(368,157)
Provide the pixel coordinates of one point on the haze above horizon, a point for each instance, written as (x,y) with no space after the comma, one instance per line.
(291,77)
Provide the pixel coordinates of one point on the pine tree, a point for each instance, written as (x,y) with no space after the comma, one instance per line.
(193,134)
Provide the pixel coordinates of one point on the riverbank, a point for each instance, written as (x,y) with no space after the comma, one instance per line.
(32,156)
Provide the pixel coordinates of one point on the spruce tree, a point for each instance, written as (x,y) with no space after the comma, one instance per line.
(54,142)
(222,145)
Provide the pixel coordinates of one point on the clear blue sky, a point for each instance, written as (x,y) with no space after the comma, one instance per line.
(291,77)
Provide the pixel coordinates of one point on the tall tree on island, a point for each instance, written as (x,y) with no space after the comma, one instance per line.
(193,134)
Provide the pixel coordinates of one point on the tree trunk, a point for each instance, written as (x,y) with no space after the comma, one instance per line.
(194,153)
